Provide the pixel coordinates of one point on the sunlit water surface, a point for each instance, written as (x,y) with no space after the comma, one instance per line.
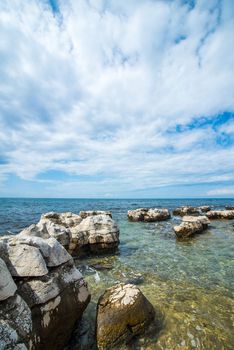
(189,283)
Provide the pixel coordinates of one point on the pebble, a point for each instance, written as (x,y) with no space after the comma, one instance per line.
(193,343)
(198,328)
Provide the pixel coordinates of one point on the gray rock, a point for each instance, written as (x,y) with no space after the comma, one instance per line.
(186,210)
(23,260)
(148,215)
(53,252)
(220,214)
(191,225)
(15,323)
(96,233)
(84,214)
(7,284)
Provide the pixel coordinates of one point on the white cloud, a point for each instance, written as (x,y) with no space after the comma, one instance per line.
(221,191)
(98,89)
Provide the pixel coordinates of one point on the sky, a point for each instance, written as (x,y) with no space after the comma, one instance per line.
(117,98)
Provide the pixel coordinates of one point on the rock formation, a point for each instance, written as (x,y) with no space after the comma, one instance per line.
(220,214)
(186,210)
(122,313)
(191,225)
(42,294)
(229,207)
(148,215)
(91,231)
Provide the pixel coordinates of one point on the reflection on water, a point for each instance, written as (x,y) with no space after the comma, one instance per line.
(189,283)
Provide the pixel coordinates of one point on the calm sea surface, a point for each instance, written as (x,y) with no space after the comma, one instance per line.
(189,283)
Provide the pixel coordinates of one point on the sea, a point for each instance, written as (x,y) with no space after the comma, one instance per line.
(190,283)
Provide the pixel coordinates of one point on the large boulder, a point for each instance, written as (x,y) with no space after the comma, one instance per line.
(204,208)
(186,210)
(220,214)
(40,308)
(95,234)
(191,225)
(148,215)
(122,313)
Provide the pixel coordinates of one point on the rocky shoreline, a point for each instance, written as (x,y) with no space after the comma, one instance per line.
(42,293)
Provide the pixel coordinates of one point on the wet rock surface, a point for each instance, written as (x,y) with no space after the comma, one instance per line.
(122,313)
(186,210)
(148,215)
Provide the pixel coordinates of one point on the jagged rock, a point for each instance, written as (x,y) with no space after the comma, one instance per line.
(67,219)
(204,208)
(53,252)
(54,298)
(22,260)
(229,207)
(122,313)
(57,301)
(96,233)
(191,225)
(148,215)
(7,284)
(15,323)
(186,210)
(84,214)
(220,214)
(46,228)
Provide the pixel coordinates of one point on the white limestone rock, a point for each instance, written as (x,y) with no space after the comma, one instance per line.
(148,215)
(7,284)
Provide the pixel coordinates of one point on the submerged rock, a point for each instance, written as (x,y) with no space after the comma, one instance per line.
(191,225)
(220,214)
(148,215)
(204,208)
(229,207)
(122,313)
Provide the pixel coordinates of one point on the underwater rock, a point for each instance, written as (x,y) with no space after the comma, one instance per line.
(95,234)
(186,210)
(220,214)
(191,225)
(48,296)
(229,207)
(148,215)
(122,313)
(84,214)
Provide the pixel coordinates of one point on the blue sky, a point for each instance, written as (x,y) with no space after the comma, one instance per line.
(117,98)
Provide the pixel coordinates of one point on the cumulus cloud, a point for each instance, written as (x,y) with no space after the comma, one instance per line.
(118,95)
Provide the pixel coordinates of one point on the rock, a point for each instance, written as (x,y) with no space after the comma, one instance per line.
(122,313)
(191,225)
(229,207)
(57,301)
(15,323)
(220,214)
(204,208)
(43,310)
(23,260)
(67,219)
(98,233)
(186,210)
(7,284)
(85,214)
(148,215)
(53,252)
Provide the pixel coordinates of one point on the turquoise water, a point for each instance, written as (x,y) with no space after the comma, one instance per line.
(189,283)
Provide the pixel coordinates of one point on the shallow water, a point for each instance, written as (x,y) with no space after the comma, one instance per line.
(189,283)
